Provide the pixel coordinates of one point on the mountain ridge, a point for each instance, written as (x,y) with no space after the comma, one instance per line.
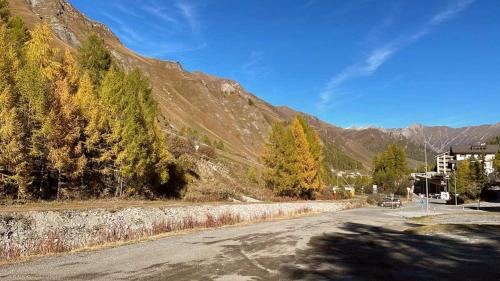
(220,108)
(440,138)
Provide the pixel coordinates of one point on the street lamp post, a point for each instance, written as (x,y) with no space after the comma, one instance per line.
(456,204)
(426,180)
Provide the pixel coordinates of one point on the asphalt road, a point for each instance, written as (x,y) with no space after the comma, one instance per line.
(362,244)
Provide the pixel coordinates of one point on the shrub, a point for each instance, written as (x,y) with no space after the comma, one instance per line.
(179,146)
(207,151)
(219,144)
(189,133)
(252,175)
(206,140)
(370,200)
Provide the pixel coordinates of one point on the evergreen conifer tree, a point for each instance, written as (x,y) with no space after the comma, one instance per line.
(94,58)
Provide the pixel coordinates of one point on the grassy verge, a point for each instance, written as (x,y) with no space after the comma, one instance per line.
(116,204)
(107,204)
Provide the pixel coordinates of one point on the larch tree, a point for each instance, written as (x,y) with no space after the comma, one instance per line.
(64,133)
(496,164)
(65,125)
(478,177)
(70,72)
(143,154)
(9,60)
(18,32)
(36,83)
(315,148)
(94,57)
(462,176)
(14,153)
(305,163)
(93,119)
(390,169)
(40,53)
(280,173)
(292,160)
(110,96)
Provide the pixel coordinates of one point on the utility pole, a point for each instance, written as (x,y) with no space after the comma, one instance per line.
(456,205)
(426,180)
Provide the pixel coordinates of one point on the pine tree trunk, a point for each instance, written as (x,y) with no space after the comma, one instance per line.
(42,180)
(58,184)
(121,187)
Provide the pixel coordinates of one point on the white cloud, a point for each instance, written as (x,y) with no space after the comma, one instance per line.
(169,19)
(450,12)
(382,53)
(188,11)
(123,30)
(161,13)
(255,67)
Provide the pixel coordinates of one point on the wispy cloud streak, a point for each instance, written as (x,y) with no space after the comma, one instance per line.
(255,66)
(378,56)
(161,13)
(177,19)
(189,13)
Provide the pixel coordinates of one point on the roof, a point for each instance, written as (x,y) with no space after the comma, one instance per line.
(474,149)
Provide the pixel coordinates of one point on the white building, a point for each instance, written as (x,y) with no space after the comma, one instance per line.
(443,161)
(481,152)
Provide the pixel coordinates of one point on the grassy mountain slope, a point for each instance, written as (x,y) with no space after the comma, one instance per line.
(217,108)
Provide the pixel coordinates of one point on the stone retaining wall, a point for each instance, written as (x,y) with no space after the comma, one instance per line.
(42,232)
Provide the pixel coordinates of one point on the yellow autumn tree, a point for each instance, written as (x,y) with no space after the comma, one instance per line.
(280,173)
(14,146)
(40,53)
(89,126)
(63,129)
(315,148)
(70,71)
(306,166)
(93,118)
(292,160)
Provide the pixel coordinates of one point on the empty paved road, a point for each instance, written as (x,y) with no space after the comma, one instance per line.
(361,244)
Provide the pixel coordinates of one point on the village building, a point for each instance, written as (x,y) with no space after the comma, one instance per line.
(482,152)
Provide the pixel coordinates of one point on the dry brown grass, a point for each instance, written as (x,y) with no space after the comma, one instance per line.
(50,244)
(107,204)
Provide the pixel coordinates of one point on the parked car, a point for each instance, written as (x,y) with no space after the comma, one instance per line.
(392,202)
(435,195)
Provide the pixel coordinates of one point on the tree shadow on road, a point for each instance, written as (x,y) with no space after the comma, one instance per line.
(486,208)
(375,253)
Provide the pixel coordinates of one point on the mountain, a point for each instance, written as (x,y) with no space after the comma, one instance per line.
(360,144)
(217,108)
(440,138)
(221,109)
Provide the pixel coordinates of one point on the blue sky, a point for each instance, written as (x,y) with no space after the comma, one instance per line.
(351,63)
